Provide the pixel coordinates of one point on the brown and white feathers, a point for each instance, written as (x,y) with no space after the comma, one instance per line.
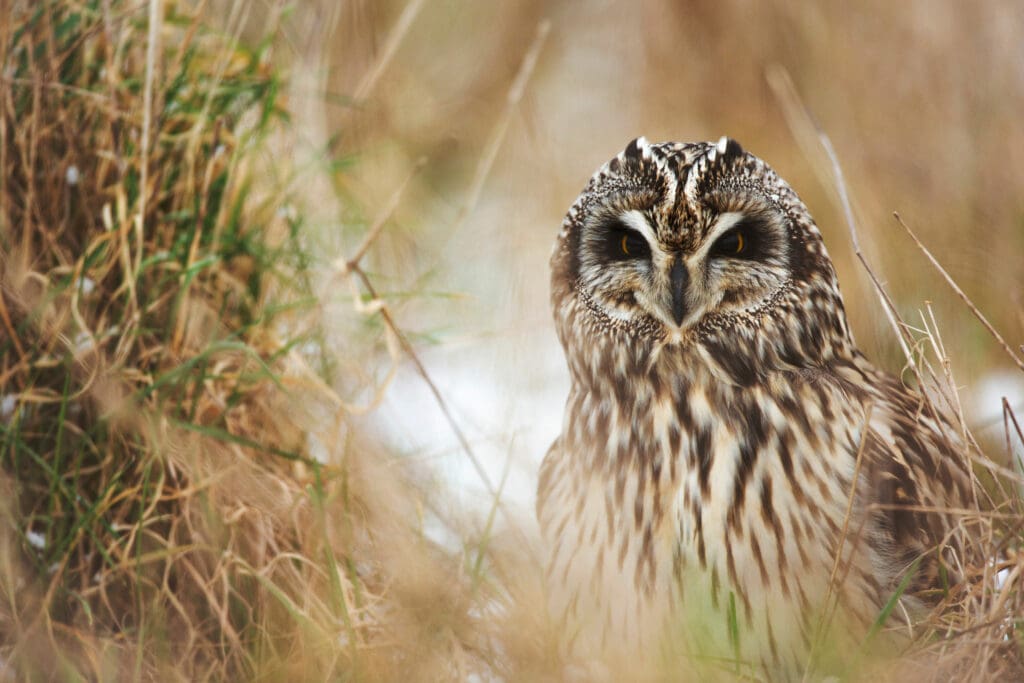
(734,480)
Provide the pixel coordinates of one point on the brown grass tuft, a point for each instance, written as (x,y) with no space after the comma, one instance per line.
(186,489)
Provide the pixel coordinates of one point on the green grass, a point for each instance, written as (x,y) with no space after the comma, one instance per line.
(176,344)
(164,357)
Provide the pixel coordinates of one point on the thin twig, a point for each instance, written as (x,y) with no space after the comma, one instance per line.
(515,94)
(33,146)
(5,93)
(395,38)
(951,511)
(152,50)
(887,305)
(422,371)
(1008,413)
(960,293)
(12,335)
(100,98)
(800,120)
(384,216)
(952,397)
(353,266)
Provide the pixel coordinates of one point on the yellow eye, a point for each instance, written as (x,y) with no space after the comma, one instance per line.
(734,243)
(627,245)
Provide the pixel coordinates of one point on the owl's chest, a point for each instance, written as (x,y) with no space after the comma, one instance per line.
(704,511)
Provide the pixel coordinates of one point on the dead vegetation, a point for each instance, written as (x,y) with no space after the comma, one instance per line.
(165,511)
(162,516)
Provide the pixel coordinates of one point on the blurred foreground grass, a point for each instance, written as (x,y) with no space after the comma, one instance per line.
(166,508)
(160,366)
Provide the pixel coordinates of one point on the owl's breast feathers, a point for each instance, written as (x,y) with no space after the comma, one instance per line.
(676,491)
(731,470)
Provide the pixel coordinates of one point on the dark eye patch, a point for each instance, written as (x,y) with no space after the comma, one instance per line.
(744,240)
(623,243)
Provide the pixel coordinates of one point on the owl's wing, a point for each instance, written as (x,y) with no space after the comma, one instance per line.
(915,477)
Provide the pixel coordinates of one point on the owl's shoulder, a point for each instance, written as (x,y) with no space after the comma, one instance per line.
(915,473)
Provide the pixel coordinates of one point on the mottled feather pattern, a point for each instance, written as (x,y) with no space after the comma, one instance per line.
(710,459)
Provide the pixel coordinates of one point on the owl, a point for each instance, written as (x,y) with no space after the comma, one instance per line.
(734,483)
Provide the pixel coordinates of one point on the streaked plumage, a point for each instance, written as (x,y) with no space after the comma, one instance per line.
(697,496)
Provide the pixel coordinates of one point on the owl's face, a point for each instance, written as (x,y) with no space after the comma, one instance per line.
(669,240)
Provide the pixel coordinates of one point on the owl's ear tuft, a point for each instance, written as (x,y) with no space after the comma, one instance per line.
(728,148)
(638,150)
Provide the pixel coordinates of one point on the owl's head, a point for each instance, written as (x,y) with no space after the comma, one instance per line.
(681,243)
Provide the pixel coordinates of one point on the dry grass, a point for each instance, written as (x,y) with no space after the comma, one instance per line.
(162,518)
(186,490)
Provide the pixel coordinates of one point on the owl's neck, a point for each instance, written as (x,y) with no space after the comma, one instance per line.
(607,366)
(801,331)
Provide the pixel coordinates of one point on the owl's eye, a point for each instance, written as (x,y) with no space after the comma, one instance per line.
(729,244)
(739,242)
(624,243)
(633,245)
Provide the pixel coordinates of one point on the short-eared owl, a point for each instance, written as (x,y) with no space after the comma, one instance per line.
(734,480)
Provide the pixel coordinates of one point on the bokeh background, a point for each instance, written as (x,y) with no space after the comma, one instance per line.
(252,250)
(922,101)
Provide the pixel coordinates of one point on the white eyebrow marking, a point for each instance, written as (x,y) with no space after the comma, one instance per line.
(635,220)
(723,224)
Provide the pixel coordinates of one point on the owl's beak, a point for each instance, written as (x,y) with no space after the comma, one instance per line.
(679,280)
